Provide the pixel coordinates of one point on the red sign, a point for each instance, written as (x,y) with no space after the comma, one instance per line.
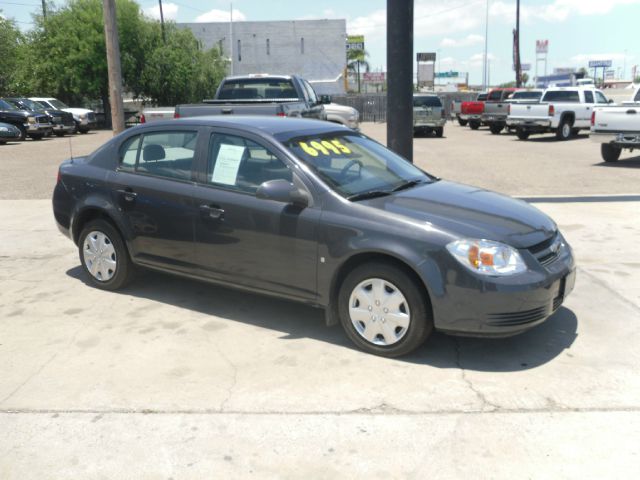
(374,77)
(542,46)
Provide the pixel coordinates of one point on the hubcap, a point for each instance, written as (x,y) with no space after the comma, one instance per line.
(99,256)
(379,312)
(566,130)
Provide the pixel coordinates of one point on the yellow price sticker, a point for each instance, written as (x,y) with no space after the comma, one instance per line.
(325,147)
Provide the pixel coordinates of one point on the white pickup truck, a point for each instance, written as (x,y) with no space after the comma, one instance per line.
(562,110)
(617,127)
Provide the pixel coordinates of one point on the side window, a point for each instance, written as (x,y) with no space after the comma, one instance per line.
(588,96)
(129,152)
(167,154)
(600,98)
(241,164)
(313,98)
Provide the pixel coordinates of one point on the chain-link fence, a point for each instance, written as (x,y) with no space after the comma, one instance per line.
(373,106)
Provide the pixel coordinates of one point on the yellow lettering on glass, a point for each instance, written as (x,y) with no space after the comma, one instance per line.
(318,146)
(308,150)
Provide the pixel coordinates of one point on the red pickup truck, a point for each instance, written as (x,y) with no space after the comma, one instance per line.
(471,112)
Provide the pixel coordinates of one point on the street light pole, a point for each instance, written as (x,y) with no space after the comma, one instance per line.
(486,46)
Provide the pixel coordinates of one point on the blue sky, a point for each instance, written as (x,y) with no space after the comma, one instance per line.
(577,30)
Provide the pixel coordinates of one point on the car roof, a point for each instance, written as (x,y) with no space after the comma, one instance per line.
(274,126)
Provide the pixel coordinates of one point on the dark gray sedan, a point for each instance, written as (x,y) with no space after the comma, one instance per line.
(317,213)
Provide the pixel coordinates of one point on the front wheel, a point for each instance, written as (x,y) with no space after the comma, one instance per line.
(522,134)
(610,153)
(36,136)
(462,123)
(104,256)
(383,310)
(439,132)
(474,125)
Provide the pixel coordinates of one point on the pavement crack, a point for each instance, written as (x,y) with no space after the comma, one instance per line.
(610,289)
(234,381)
(484,403)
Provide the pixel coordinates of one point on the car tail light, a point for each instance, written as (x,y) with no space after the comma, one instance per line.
(142,119)
(552,110)
(176,114)
(59,177)
(281,114)
(593,118)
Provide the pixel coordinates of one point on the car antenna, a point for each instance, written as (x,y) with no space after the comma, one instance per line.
(70,150)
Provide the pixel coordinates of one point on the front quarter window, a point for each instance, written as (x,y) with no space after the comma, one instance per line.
(353,164)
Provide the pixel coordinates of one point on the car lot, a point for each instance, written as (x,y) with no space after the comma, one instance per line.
(172,378)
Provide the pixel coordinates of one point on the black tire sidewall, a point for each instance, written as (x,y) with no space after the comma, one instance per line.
(610,153)
(421,323)
(124,267)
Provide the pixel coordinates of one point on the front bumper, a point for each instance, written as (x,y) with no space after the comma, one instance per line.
(38,127)
(503,306)
(624,140)
(466,116)
(59,127)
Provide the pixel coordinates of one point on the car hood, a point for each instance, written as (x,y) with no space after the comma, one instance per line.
(77,111)
(470,212)
(339,109)
(17,114)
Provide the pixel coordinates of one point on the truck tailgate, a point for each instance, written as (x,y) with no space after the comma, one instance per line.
(536,110)
(618,119)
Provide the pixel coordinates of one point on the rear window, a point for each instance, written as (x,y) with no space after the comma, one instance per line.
(481,97)
(427,101)
(495,95)
(527,95)
(562,96)
(257,89)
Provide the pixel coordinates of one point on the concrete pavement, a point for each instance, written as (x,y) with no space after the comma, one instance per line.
(178,379)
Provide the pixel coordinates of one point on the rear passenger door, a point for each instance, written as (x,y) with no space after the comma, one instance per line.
(241,239)
(153,187)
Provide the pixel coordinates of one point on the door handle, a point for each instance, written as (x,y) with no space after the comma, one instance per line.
(128,194)
(212,211)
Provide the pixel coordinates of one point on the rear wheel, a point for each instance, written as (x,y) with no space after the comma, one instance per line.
(23,133)
(439,132)
(383,311)
(564,130)
(36,136)
(610,153)
(474,125)
(461,122)
(104,256)
(522,134)
(59,134)
(495,129)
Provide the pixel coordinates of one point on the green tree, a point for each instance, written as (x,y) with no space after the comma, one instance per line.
(11,41)
(357,58)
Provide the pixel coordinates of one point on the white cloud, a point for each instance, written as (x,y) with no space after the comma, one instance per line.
(169,11)
(217,15)
(478,59)
(471,39)
(557,10)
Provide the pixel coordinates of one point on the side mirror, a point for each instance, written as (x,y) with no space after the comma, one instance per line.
(283,191)
(610,100)
(325,99)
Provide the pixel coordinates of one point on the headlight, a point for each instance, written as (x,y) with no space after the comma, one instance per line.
(487,257)
(31,119)
(4,129)
(83,116)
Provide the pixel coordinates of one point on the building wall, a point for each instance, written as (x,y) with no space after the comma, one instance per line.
(313,49)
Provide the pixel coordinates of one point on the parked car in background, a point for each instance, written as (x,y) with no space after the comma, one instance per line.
(616,128)
(317,213)
(498,105)
(261,94)
(342,114)
(84,118)
(562,110)
(428,114)
(157,113)
(34,125)
(8,132)
(471,112)
(61,121)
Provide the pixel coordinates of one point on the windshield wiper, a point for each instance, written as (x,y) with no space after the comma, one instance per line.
(368,194)
(408,184)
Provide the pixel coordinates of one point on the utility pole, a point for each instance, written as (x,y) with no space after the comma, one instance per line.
(400,77)
(516,46)
(486,47)
(164,38)
(231,36)
(44,9)
(113,65)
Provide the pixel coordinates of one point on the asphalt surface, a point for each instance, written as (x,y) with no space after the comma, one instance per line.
(178,379)
(539,166)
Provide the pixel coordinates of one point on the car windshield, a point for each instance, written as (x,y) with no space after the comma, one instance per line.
(354,165)
(6,106)
(55,103)
(29,104)
(426,101)
(257,89)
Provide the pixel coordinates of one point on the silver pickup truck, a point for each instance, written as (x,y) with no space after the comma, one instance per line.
(428,114)
(615,128)
(498,106)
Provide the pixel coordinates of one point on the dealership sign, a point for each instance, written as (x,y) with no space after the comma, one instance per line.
(600,63)
(448,75)
(542,46)
(374,77)
(355,42)
(426,57)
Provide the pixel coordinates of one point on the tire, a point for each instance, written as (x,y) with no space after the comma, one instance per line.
(564,130)
(59,134)
(3,142)
(36,136)
(116,269)
(83,131)
(23,133)
(413,308)
(522,134)
(495,129)
(610,153)
(439,132)
(474,125)
(462,123)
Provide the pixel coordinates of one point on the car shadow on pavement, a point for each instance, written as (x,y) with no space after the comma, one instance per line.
(549,138)
(633,162)
(525,351)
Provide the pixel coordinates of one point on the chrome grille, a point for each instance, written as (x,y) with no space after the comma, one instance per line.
(548,251)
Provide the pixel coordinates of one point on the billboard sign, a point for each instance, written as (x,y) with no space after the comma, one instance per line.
(448,75)
(600,63)
(426,57)
(610,74)
(355,42)
(542,46)
(374,77)
(525,67)
(425,74)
